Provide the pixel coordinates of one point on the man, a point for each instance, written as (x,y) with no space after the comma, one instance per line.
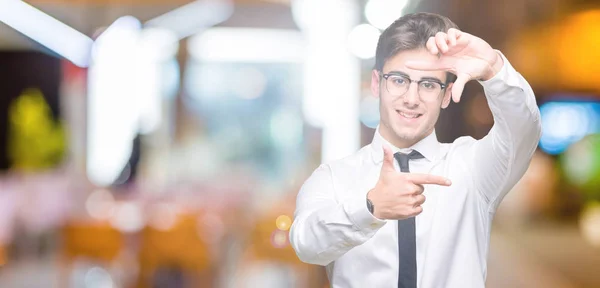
(406,210)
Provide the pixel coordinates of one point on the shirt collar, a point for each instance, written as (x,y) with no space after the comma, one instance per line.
(429,147)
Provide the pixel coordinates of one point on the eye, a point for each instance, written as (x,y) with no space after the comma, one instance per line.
(399,81)
(430,85)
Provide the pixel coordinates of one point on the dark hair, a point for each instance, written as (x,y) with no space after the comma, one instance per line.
(410,32)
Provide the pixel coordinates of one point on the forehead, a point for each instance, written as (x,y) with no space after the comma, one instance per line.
(396,63)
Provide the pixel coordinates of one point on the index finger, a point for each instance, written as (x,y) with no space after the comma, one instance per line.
(458,86)
(453,34)
(428,179)
(443,64)
(431,46)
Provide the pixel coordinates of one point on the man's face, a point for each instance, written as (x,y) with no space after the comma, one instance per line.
(408,118)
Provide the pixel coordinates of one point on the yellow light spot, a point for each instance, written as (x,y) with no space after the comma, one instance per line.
(283,222)
(589,223)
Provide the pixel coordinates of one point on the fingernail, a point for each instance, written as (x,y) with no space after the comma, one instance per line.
(448,182)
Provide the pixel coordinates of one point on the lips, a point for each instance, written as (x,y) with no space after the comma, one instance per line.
(409,115)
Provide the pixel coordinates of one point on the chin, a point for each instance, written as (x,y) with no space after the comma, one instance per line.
(404,134)
(409,138)
(407,135)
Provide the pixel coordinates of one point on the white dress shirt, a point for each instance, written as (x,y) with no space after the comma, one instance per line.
(332,226)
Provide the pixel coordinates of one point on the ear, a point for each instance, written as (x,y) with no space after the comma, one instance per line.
(447,96)
(375,83)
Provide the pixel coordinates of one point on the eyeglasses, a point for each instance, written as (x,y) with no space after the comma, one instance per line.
(397,85)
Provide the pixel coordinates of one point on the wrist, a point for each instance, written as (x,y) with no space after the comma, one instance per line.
(494,67)
(358,213)
(370,205)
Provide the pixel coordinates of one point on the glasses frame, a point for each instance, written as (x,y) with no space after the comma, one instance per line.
(387,75)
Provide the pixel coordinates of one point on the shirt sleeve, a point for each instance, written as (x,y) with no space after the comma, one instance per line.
(501,158)
(324,229)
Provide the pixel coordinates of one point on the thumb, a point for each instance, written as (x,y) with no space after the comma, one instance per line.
(388,159)
(459,85)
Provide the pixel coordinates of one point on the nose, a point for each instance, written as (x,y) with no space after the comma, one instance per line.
(411,97)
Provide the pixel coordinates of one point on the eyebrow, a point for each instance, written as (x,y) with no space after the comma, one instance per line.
(400,73)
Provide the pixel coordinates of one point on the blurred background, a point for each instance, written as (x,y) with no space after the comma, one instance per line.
(155,143)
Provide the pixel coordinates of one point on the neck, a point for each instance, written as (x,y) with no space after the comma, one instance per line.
(399,142)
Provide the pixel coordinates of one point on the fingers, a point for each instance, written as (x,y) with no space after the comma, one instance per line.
(453,35)
(428,179)
(419,199)
(432,46)
(413,189)
(444,64)
(412,207)
(459,85)
(416,207)
(441,39)
(443,42)
(416,211)
(420,188)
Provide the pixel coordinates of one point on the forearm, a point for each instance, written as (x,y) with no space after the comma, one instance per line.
(324,235)
(505,153)
(512,103)
(323,229)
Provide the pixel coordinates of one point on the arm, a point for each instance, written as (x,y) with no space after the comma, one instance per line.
(323,229)
(501,158)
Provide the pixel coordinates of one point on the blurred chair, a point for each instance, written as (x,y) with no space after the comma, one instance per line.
(177,251)
(3,256)
(268,242)
(90,240)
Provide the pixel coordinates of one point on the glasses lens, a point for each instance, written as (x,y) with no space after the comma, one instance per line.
(429,89)
(397,85)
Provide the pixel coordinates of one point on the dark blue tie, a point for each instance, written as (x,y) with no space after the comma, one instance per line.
(407,241)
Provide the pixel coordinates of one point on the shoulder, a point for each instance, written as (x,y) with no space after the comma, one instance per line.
(355,160)
(461,148)
(463,142)
(344,167)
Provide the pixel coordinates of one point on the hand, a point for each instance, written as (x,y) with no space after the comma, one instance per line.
(399,195)
(467,56)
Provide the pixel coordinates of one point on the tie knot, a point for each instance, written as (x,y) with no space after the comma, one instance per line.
(403,159)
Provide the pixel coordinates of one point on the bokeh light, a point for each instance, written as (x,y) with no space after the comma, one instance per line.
(100,204)
(283,222)
(581,164)
(564,123)
(362,41)
(98,277)
(163,216)
(382,13)
(369,111)
(248,83)
(128,217)
(589,223)
(279,239)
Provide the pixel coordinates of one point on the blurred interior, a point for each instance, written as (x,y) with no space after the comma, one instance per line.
(155,143)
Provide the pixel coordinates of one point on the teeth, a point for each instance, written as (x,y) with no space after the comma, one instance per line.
(409,115)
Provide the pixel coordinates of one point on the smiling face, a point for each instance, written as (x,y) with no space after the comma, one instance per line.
(408,118)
